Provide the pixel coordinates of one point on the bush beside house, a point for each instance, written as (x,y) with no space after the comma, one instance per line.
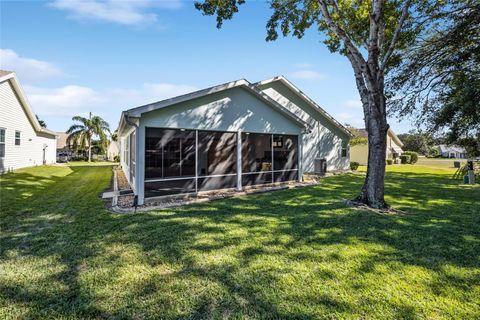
(413,156)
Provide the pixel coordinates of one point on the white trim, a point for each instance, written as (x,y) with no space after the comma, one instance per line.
(12,78)
(239,160)
(306,99)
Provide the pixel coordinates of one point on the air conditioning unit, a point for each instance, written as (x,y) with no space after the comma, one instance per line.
(320,166)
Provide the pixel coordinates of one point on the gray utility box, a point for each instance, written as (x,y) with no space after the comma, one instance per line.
(320,166)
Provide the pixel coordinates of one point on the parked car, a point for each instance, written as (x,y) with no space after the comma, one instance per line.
(62,157)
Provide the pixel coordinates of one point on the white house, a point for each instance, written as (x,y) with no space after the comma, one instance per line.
(113,150)
(451,151)
(229,136)
(23,142)
(359,153)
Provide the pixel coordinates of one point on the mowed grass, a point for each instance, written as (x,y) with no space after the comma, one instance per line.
(299,253)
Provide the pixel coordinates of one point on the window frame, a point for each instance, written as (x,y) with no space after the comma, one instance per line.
(344,148)
(3,143)
(19,138)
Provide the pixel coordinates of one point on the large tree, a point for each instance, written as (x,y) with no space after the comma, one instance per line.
(81,133)
(369,34)
(438,81)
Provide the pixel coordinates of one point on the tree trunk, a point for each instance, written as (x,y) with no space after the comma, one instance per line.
(372,193)
(89,150)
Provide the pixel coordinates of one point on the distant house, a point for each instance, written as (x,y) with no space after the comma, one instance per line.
(451,151)
(23,142)
(233,135)
(62,146)
(113,150)
(359,153)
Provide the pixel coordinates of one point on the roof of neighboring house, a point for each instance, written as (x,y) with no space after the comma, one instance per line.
(137,112)
(364,134)
(450,148)
(62,140)
(4,72)
(12,78)
(307,99)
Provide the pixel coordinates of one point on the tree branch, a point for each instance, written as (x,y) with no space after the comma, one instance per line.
(396,34)
(356,55)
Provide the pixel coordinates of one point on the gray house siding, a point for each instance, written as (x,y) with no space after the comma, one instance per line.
(325,139)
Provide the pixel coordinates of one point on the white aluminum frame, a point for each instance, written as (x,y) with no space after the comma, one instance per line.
(239,172)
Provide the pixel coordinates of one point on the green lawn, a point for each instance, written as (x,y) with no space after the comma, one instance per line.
(289,254)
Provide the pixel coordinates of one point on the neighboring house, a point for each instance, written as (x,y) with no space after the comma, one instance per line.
(228,136)
(113,150)
(359,153)
(452,151)
(23,142)
(63,149)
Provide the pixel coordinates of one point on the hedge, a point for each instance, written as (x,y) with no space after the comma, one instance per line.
(354,165)
(413,156)
(405,158)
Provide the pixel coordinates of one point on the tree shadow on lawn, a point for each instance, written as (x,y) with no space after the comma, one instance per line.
(230,257)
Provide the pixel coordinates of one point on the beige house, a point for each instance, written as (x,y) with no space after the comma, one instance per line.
(359,153)
(112,151)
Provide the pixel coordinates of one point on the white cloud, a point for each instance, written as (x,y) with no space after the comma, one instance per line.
(354,103)
(353,119)
(307,75)
(302,65)
(28,69)
(65,101)
(78,100)
(126,12)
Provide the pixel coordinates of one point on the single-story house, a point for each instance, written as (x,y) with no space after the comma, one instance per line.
(63,149)
(232,135)
(451,151)
(359,153)
(113,150)
(23,142)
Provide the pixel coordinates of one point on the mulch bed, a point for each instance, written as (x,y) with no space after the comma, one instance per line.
(125,202)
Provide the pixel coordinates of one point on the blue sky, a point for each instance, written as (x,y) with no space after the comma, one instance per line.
(75,56)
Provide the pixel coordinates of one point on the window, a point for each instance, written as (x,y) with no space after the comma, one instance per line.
(169,153)
(217,160)
(257,153)
(2,143)
(126,150)
(17,138)
(344,149)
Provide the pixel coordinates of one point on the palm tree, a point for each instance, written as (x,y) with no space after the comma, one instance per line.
(81,133)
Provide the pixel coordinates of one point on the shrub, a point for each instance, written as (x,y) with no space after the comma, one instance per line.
(354,165)
(116,158)
(413,156)
(78,158)
(405,158)
(389,162)
(433,152)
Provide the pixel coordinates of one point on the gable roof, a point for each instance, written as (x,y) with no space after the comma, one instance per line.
(12,78)
(306,99)
(138,111)
(450,148)
(364,134)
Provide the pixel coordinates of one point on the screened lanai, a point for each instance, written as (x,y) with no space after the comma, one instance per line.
(183,161)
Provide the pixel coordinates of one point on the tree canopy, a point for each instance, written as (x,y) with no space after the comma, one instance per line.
(438,83)
(82,132)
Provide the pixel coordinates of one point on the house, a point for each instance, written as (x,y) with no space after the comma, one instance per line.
(451,151)
(232,135)
(113,150)
(23,142)
(359,153)
(63,149)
